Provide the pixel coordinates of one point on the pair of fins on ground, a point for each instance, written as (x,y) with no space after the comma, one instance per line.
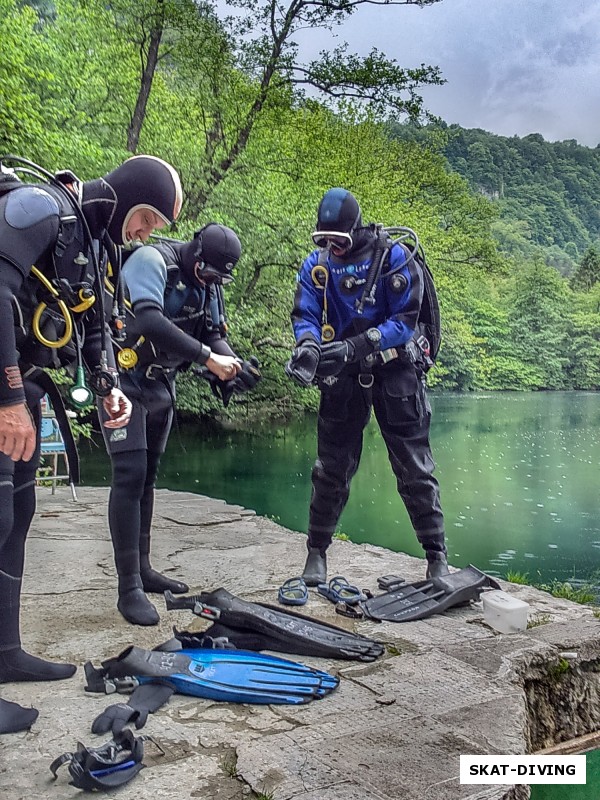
(203,665)
(260,626)
(223,663)
(407,602)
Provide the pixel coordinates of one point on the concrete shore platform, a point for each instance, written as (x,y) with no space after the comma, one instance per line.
(446,686)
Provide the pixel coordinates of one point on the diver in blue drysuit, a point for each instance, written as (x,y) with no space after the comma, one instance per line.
(361,362)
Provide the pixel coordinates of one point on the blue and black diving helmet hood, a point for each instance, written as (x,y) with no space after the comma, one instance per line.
(211,256)
(339,221)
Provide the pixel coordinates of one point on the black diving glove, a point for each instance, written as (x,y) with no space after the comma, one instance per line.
(302,366)
(222,390)
(336,355)
(248,377)
(245,380)
(144,700)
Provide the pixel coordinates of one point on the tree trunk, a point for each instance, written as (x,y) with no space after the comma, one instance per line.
(149,68)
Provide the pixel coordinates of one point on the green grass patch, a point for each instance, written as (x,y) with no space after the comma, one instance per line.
(584,595)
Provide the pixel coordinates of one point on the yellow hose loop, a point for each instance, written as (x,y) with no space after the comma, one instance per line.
(37,314)
(35,325)
(86,302)
(320,277)
(316,272)
(43,279)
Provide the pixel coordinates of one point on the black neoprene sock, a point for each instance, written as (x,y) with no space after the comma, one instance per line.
(15,664)
(14,717)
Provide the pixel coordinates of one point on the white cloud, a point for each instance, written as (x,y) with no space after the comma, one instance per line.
(512,67)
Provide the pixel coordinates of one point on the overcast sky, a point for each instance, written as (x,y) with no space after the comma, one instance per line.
(512,67)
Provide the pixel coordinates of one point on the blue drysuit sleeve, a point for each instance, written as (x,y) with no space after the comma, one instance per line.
(307,313)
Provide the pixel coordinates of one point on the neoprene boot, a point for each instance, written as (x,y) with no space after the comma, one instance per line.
(315,569)
(14,717)
(16,665)
(152,580)
(437,564)
(133,603)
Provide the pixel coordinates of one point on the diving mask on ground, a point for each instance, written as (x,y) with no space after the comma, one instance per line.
(336,241)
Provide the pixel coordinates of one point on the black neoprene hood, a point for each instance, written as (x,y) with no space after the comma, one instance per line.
(143,182)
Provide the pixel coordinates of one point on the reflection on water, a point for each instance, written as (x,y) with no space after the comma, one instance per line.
(519,476)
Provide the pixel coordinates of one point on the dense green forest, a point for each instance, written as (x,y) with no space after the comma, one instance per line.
(547,192)
(509,226)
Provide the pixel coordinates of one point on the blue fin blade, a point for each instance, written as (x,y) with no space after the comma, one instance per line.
(246,677)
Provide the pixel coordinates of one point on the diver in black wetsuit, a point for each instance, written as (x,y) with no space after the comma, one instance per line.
(174,290)
(45,225)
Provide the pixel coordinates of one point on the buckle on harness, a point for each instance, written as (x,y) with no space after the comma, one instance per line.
(366,380)
(425,348)
(152,369)
(424,345)
(388,355)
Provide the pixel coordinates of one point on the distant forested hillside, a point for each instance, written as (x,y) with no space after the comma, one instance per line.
(547,192)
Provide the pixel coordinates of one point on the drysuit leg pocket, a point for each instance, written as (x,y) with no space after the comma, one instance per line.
(403,399)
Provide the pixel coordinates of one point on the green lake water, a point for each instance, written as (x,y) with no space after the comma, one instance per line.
(586,791)
(519,474)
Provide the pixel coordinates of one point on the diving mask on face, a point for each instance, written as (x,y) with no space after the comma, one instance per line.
(205,273)
(335,240)
(213,254)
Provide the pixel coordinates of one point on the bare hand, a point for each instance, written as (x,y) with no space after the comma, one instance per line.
(118,408)
(224,367)
(17,432)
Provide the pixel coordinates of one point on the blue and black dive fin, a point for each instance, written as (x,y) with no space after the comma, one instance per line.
(233,675)
(259,626)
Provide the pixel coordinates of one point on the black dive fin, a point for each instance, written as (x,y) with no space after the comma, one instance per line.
(259,626)
(412,601)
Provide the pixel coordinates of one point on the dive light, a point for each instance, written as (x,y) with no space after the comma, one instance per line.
(80,394)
